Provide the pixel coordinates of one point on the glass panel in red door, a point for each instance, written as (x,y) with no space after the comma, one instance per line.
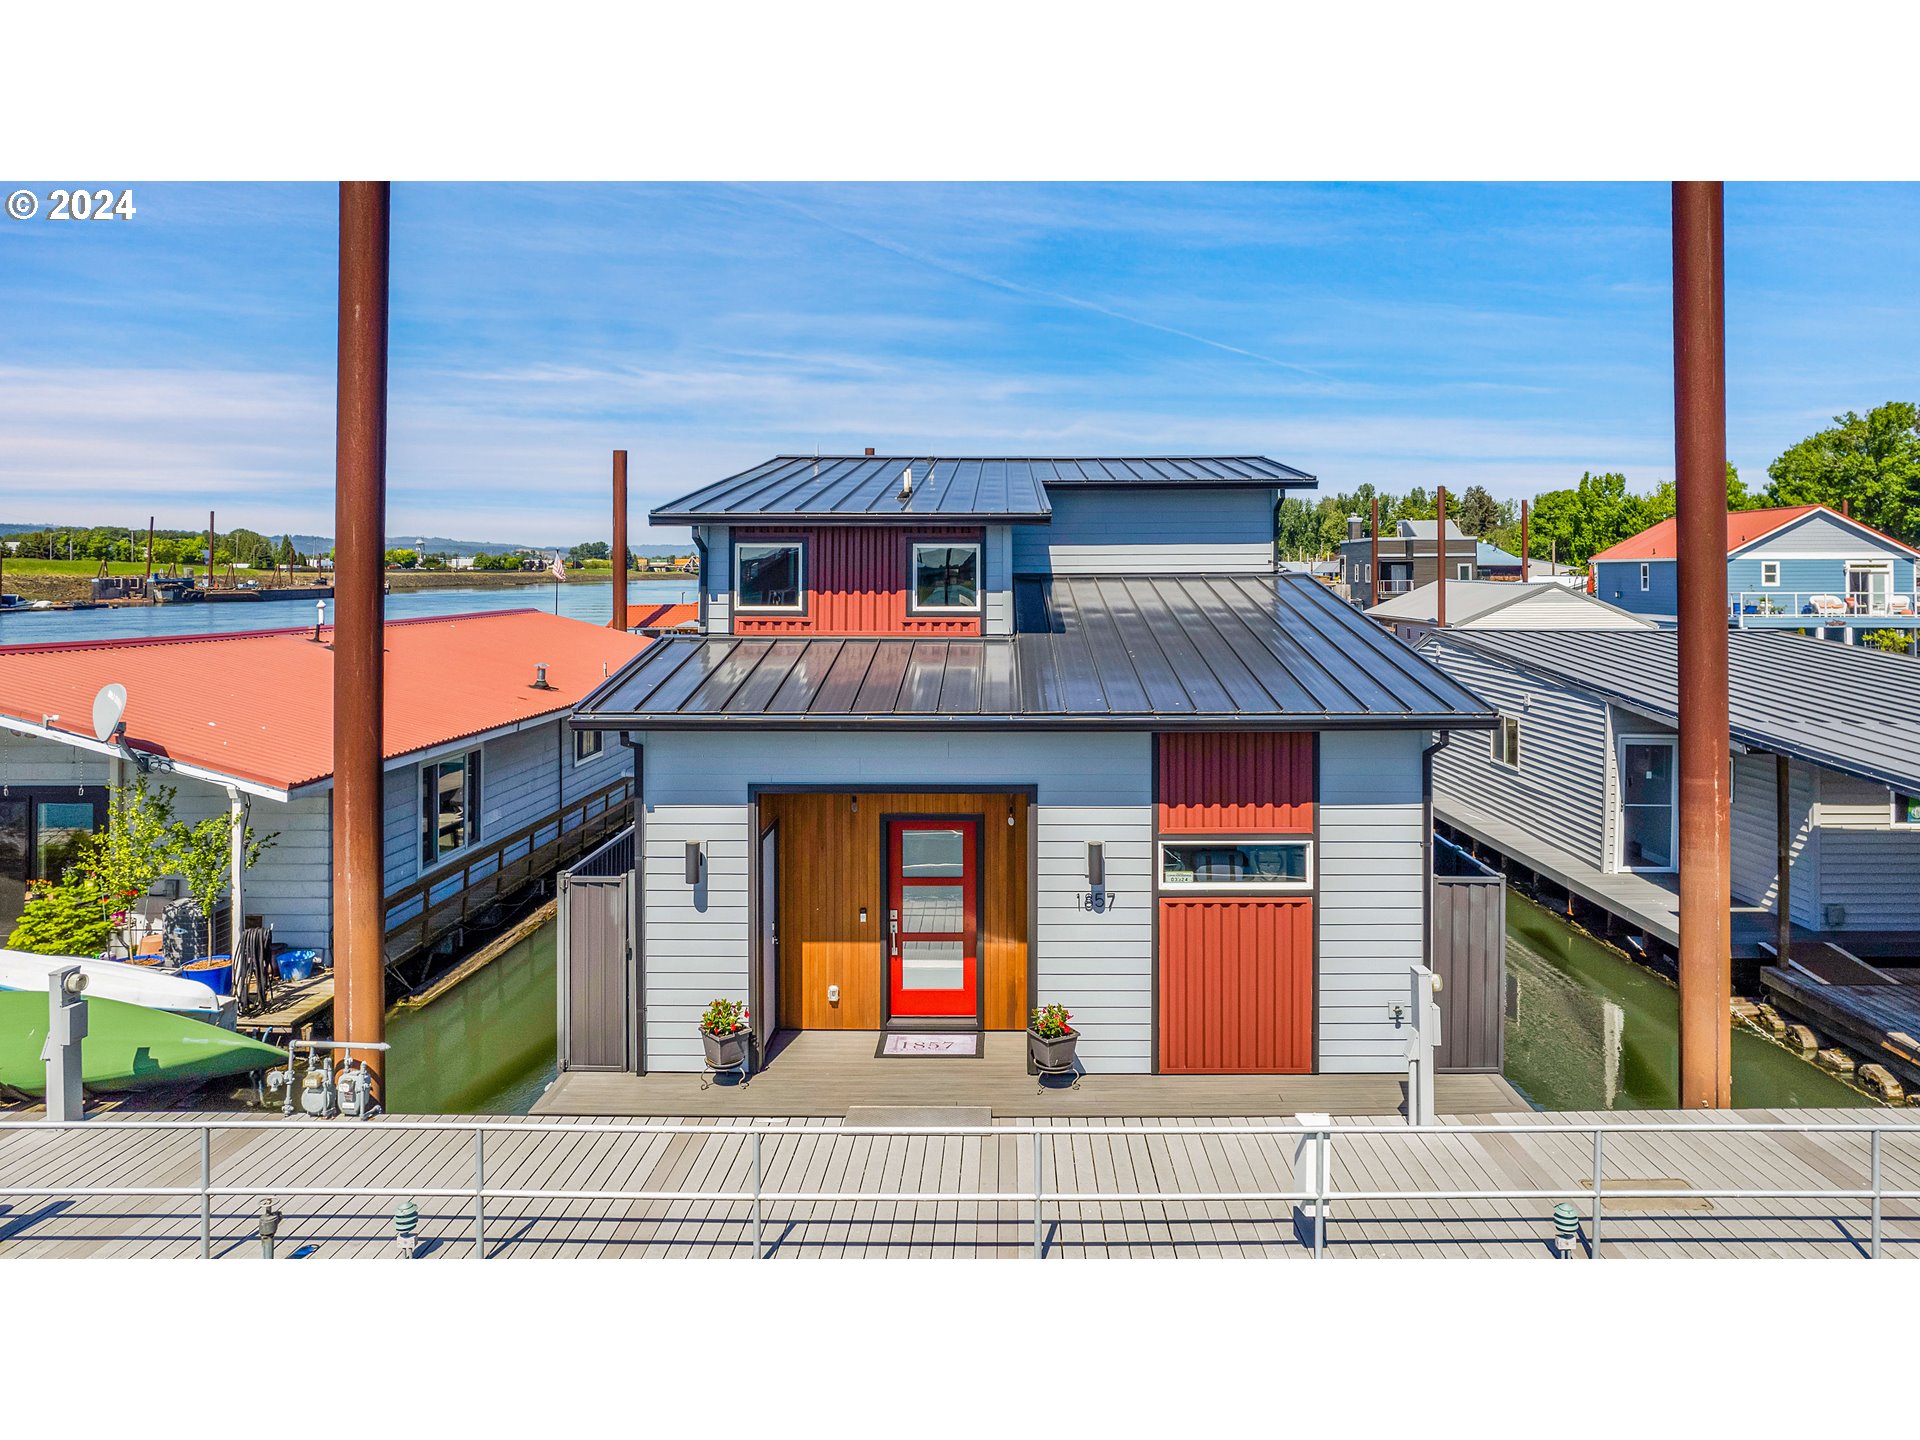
(933,960)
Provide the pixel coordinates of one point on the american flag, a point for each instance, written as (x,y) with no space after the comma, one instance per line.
(559,567)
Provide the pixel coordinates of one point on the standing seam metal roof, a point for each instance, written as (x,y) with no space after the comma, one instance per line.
(1785,691)
(1152,652)
(866,488)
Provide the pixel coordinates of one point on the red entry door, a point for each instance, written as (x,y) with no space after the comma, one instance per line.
(933,942)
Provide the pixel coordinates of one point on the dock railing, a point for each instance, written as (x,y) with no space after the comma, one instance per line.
(1318,1191)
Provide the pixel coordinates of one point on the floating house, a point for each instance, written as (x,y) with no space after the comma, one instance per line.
(1501,605)
(1791,568)
(1579,786)
(1409,558)
(486,789)
(1496,564)
(962,736)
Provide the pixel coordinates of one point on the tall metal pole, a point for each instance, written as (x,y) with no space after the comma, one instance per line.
(1373,557)
(1700,464)
(149,575)
(360,509)
(1440,556)
(209,549)
(1526,541)
(619,540)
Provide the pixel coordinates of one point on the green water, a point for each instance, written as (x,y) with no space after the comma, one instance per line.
(1587,1029)
(487,1046)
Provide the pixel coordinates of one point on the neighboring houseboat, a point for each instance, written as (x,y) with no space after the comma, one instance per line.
(1795,568)
(1579,785)
(1501,605)
(1497,564)
(486,789)
(1409,558)
(964,736)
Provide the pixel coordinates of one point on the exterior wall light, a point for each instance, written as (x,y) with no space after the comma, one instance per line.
(1096,863)
(695,857)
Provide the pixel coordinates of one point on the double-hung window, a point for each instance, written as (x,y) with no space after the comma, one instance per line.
(1506,741)
(1769,572)
(449,806)
(946,578)
(770,575)
(1646,578)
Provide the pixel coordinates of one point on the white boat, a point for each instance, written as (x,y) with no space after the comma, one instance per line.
(115,980)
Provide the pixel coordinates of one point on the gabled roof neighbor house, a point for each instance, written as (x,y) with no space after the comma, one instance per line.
(1793,567)
(1501,605)
(485,788)
(963,736)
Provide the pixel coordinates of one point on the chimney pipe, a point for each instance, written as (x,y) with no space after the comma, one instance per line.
(1353,527)
(619,621)
(1373,557)
(869,449)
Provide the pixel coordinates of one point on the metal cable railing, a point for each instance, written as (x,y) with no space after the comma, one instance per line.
(1321,1193)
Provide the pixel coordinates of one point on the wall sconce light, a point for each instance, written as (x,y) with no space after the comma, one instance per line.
(856,803)
(1096,863)
(694,858)
(1009,814)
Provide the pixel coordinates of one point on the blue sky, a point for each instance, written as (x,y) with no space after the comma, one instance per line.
(1508,335)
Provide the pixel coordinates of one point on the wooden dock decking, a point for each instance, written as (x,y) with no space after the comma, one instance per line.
(1695,1150)
(825,1073)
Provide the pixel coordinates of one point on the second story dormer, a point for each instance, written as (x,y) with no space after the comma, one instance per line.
(932,545)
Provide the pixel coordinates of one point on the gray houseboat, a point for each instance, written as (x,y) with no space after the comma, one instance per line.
(963,736)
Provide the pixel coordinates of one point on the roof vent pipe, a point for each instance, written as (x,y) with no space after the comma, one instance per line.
(906,483)
(540,678)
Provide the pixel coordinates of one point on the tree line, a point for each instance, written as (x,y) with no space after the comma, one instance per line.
(170,547)
(1871,463)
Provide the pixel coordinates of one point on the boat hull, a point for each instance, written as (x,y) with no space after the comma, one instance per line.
(112,980)
(127,1047)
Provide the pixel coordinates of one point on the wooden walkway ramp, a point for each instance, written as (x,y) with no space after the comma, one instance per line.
(397,1159)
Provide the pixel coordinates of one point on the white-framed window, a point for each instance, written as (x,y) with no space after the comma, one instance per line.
(1905,811)
(1649,803)
(770,575)
(1463,571)
(1769,572)
(1236,865)
(1368,568)
(945,577)
(588,744)
(449,806)
(1646,577)
(1506,741)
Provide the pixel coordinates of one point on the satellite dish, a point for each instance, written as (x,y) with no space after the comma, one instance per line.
(108,706)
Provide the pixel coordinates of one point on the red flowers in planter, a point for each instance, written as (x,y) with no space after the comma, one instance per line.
(1050,1021)
(724,1018)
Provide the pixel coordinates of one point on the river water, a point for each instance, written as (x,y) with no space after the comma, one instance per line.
(1588,1029)
(581,599)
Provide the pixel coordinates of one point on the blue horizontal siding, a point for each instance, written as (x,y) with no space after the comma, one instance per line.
(1618,583)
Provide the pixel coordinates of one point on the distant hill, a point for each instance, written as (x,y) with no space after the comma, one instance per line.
(432,544)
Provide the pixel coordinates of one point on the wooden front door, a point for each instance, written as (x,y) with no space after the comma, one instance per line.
(932,938)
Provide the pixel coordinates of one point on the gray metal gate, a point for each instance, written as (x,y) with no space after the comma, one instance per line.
(1470,957)
(597,980)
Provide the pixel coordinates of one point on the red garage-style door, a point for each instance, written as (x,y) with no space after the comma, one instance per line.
(1236,986)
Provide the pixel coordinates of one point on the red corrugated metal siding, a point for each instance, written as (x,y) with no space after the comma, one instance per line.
(856,579)
(1224,784)
(1236,986)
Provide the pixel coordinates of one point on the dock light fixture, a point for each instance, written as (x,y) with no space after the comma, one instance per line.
(269,1222)
(695,858)
(406,1226)
(1096,863)
(319,617)
(1566,1229)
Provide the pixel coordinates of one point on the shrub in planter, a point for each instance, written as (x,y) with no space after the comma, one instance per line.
(724,1033)
(1051,1037)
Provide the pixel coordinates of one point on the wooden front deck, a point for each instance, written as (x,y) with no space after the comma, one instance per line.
(1697,1151)
(824,1073)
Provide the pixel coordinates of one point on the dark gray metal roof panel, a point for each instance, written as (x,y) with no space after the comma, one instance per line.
(1848,707)
(1221,651)
(865,489)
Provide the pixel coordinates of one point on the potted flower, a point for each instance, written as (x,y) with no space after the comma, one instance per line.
(724,1034)
(1051,1039)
